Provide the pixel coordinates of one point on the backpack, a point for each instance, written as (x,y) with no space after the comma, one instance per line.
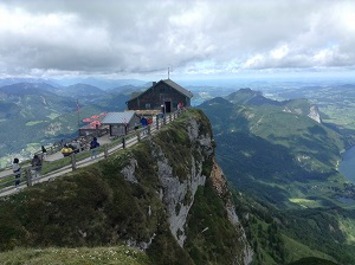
(94,144)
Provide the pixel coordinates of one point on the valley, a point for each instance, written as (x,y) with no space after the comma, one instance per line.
(35,114)
(287,163)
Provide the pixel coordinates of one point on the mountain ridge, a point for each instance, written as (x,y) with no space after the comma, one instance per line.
(285,161)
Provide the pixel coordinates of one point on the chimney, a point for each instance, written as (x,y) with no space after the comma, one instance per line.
(154,83)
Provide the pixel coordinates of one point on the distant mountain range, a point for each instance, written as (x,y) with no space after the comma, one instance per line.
(334,104)
(102,83)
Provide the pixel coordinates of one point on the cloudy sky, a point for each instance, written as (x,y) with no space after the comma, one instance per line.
(141,38)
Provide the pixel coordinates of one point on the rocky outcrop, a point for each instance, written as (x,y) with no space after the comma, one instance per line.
(178,194)
(314,113)
(220,184)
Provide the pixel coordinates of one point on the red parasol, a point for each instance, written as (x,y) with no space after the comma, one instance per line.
(93,124)
(87,120)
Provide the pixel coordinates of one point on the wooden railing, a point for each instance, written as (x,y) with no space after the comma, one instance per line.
(51,170)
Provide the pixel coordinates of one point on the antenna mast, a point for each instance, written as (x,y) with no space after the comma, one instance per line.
(168,72)
(78,110)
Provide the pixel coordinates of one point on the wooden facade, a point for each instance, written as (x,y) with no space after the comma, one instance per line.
(120,123)
(89,130)
(164,96)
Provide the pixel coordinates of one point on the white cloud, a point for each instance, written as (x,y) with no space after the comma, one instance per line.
(279,52)
(194,37)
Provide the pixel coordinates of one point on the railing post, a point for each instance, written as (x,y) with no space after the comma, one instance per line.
(28,177)
(105,151)
(123,142)
(138,135)
(164,119)
(157,122)
(148,128)
(170,117)
(73,161)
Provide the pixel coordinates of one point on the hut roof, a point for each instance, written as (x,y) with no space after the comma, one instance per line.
(118,117)
(168,82)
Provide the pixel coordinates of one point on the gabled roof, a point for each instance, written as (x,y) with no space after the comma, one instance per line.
(177,87)
(170,83)
(118,117)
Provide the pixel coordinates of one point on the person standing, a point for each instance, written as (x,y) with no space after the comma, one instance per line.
(36,164)
(44,152)
(144,123)
(17,171)
(94,144)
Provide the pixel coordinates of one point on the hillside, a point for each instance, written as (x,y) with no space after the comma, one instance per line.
(165,196)
(32,114)
(283,163)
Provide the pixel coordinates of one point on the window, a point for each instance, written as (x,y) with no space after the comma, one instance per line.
(147,105)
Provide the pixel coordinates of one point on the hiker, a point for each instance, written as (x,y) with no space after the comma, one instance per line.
(44,152)
(144,123)
(94,144)
(17,171)
(66,150)
(179,106)
(36,164)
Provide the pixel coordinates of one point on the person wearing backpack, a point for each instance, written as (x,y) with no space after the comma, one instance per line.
(36,166)
(94,144)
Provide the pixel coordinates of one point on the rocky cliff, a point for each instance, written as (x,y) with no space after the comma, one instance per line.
(165,196)
(314,113)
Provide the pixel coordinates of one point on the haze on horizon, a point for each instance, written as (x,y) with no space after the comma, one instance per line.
(196,39)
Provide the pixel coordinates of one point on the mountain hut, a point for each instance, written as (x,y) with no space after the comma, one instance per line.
(165,96)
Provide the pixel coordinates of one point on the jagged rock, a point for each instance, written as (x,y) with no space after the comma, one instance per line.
(314,113)
(128,171)
(220,185)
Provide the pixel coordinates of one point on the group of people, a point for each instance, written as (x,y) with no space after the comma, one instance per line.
(72,147)
(36,167)
(144,122)
(36,162)
(75,146)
